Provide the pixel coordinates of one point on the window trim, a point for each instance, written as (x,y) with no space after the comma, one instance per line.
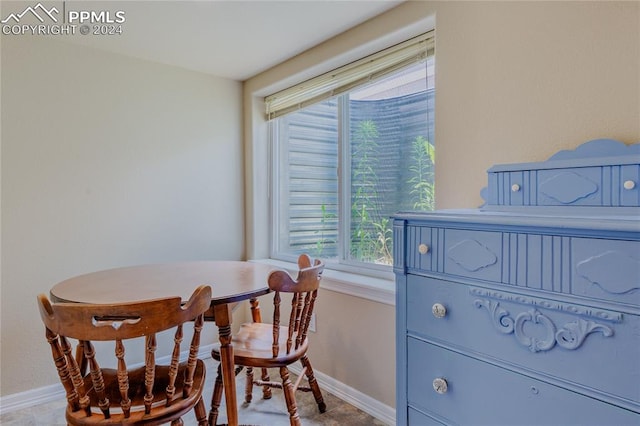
(376,289)
(346,48)
(279,224)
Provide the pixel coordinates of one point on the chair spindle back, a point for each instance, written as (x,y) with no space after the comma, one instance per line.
(89,323)
(304,291)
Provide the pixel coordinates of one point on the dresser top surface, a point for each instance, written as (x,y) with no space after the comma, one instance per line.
(528,216)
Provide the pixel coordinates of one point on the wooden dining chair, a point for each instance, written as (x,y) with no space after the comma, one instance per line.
(277,345)
(149,394)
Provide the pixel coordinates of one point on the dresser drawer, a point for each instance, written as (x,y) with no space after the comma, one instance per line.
(479,393)
(611,186)
(586,347)
(473,254)
(606,269)
(602,269)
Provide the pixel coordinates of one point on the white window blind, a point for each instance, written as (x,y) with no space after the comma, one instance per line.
(347,77)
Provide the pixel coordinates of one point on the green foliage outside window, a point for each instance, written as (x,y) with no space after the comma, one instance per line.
(326,225)
(371,233)
(421,169)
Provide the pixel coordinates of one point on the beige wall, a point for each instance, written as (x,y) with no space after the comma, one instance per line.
(518,81)
(355,344)
(106,161)
(515,82)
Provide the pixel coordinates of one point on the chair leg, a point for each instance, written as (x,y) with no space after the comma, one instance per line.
(177,422)
(248,388)
(313,384)
(266,390)
(290,397)
(201,413)
(216,398)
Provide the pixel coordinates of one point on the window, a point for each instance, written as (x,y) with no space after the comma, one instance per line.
(348,154)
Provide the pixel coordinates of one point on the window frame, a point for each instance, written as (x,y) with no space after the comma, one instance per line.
(343,262)
(355,43)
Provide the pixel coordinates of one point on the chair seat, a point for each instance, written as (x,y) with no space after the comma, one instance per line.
(136,393)
(252,347)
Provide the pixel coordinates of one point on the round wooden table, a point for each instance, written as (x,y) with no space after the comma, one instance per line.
(230,281)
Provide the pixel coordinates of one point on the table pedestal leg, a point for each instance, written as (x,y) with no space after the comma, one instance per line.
(223,321)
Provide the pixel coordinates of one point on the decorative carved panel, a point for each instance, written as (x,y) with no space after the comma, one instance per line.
(612,271)
(570,336)
(568,187)
(601,314)
(472,255)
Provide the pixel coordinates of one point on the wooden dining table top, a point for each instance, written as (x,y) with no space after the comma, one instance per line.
(230,281)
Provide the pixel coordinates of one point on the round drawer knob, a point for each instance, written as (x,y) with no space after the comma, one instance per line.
(515,187)
(440,385)
(438,310)
(629,184)
(423,248)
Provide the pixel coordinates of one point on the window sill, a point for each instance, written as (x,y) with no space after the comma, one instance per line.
(370,288)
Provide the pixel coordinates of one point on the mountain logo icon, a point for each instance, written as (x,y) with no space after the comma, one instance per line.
(38,11)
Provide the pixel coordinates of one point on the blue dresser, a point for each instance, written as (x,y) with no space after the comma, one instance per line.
(525,311)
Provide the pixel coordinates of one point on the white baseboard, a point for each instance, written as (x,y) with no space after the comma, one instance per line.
(31,398)
(373,407)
